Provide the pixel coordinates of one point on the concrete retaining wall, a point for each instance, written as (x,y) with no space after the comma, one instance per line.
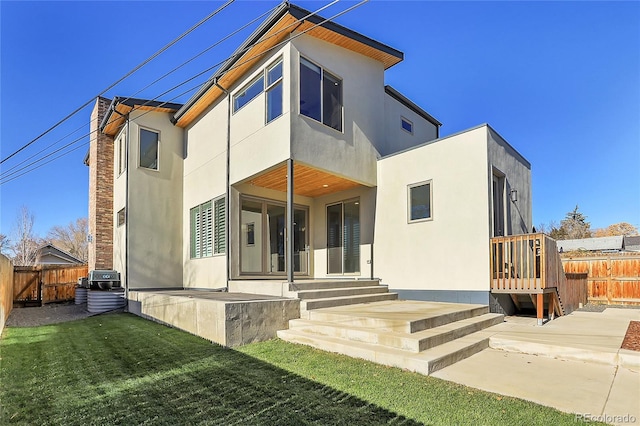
(230,320)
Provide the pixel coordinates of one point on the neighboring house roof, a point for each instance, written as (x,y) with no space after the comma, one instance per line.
(632,243)
(286,19)
(50,254)
(122,106)
(592,244)
(412,106)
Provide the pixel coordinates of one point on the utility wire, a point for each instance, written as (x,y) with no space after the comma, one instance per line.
(199,85)
(146,61)
(225,38)
(5,175)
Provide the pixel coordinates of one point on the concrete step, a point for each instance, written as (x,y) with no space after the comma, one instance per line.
(414,342)
(308,305)
(402,321)
(322,284)
(425,362)
(340,292)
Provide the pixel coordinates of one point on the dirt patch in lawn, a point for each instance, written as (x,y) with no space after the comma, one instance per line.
(47,314)
(632,337)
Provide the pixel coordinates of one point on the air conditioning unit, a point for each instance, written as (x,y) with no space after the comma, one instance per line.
(104,279)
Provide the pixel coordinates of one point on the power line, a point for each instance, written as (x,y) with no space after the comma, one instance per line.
(225,38)
(192,78)
(142,64)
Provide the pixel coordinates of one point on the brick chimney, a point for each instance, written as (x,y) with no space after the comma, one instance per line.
(100,162)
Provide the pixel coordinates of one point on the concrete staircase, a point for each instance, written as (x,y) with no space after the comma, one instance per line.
(417,336)
(317,294)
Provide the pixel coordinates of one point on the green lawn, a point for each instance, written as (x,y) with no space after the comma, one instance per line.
(121,369)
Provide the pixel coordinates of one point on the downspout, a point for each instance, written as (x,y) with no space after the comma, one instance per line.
(228,186)
(126,212)
(289,234)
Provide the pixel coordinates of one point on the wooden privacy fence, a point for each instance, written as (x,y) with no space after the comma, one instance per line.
(38,285)
(6,289)
(612,278)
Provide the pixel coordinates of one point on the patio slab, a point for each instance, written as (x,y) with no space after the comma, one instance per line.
(573,363)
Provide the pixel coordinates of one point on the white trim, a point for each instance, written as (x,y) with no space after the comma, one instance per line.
(415,185)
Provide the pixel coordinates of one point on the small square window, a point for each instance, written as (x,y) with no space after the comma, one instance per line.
(420,200)
(121,217)
(407,125)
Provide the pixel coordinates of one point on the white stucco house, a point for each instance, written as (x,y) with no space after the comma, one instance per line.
(294,162)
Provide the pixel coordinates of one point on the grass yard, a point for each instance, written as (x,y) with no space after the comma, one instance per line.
(121,369)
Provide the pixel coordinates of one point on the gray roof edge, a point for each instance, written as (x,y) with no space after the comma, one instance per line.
(471,129)
(508,146)
(411,105)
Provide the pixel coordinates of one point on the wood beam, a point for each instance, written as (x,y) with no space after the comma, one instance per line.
(540,308)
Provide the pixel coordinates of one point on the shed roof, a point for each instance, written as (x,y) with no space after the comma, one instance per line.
(591,244)
(51,250)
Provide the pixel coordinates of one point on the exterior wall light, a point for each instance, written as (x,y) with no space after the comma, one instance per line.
(514,195)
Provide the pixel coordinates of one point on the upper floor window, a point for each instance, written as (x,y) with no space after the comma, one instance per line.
(269,81)
(274,91)
(407,125)
(320,95)
(249,93)
(149,141)
(122,152)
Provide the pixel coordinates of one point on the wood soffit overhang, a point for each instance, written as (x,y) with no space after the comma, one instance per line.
(117,116)
(308,181)
(280,31)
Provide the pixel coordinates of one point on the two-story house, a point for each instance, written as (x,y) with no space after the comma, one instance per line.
(293,162)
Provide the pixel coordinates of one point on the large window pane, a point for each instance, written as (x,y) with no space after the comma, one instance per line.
(332,101)
(274,73)
(420,202)
(251,220)
(351,237)
(334,239)
(254,89)
(148,149)
(310,88)
(275,237)
(274,102)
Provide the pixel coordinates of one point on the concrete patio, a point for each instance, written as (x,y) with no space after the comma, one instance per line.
(573,363)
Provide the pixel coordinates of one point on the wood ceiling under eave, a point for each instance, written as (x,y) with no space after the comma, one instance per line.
(276,34)
(307,181)
(117,119)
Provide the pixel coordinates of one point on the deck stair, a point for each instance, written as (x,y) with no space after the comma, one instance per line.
(418,336)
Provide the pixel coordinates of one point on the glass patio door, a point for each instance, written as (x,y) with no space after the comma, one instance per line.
(343,237)
(263,238)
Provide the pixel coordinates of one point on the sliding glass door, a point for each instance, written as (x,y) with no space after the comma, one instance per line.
(343,237)
(263,238)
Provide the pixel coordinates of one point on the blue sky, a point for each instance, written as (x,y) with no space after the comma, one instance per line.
(559,80)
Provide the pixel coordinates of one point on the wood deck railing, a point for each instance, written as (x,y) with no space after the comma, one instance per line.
(531,264)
